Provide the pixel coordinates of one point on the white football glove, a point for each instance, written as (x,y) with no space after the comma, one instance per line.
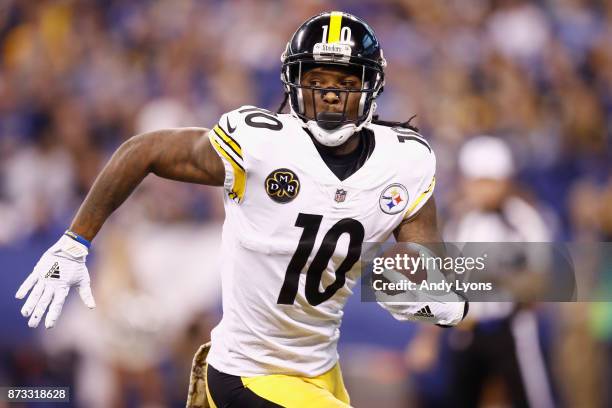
(440,313)
(446,308)
(61,267)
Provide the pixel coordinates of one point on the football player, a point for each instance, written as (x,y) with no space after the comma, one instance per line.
(303,191)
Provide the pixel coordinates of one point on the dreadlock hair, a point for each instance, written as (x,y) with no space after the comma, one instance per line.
(375,118)
(405,124)
(283,103)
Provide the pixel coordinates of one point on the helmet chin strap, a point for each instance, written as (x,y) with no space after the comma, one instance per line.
(334,137)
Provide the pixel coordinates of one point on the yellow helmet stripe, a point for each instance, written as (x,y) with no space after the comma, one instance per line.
(335,25)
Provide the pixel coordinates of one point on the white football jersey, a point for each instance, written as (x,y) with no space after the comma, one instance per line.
(293,234)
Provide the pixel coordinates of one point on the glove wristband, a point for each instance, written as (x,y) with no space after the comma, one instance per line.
(78,238)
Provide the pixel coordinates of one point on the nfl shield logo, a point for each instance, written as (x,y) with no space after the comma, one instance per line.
(340,195)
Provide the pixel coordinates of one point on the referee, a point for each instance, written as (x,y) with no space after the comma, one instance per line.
(502,340)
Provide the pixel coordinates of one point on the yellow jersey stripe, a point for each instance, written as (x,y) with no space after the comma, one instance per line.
(335,25)
(228,148)
(228,140)
(227,135)
(239,184)
(225,153)
(421,197)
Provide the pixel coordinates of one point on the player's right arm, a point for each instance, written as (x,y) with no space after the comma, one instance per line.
(184,154)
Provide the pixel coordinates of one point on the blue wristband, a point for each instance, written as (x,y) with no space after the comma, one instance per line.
(78,238)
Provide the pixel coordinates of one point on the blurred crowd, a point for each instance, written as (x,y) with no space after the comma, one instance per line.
(77,78)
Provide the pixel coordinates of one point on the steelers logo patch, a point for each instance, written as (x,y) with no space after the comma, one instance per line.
(393,199)
(282,185)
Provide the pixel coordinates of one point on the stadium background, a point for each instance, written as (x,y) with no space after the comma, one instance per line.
(79,77)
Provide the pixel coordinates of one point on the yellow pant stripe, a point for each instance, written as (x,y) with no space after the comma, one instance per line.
(208,396)
(335,25)
(421,197)
(325,391)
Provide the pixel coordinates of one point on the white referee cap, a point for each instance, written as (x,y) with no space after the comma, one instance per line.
(486,157)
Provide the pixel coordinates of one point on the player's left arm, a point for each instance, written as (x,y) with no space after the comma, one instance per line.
(422,228)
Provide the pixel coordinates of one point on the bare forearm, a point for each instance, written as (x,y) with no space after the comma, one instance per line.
(128,166)
(181,154)
(423,228)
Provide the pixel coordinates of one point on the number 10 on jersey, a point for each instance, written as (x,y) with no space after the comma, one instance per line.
(311,224)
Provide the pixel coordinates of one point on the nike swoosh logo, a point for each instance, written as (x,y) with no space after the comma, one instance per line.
(229,127)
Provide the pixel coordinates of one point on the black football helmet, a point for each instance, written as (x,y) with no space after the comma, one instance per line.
(337,39)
